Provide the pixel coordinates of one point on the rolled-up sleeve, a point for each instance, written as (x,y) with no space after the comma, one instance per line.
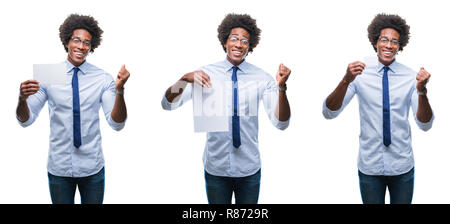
(180,100)
(270,101)
(282,125)
(330,114)
(108,101)
(415,105)
(425,126)
(114,125)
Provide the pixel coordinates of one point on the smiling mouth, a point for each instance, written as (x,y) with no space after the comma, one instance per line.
(79,54)
(387,53)
(237,53)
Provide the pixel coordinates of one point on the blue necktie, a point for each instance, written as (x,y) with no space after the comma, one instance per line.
(386,109)
(235,126)
(76,109)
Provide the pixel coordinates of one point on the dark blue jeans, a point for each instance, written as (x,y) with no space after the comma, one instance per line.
(92,188)
(220,190)
(373,188)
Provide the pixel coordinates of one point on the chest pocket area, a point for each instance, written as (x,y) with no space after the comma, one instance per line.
(248,99)
(60,97)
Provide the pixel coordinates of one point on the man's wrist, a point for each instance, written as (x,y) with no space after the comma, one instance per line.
(119,91)
(422,91)
(23,98)
(345,82)
(282,87)
(185,78)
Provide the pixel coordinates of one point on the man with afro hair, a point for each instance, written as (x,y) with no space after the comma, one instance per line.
(75,153)
(386,90)
(231,159)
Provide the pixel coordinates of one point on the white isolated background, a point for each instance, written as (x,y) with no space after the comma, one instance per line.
(156,158)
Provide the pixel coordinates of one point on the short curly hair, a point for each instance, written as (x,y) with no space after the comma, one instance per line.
(239,20)
(75,21)
(382,21)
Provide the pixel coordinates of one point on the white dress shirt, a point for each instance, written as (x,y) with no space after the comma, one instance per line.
(220,158)
(96,88)
(374,157)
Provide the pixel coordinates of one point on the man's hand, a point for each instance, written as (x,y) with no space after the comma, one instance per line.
(282,75)
(28,88)
(354,69)
(335,99)
(422,79)
(199,77)
(122,78)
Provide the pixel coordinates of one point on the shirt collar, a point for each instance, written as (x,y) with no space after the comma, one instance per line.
(243,67)
(83,67)
(393,67)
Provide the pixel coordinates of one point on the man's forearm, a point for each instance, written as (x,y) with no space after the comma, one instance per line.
(335,99)
(119,111)
(424,111)
(283,111)
(22,111)
(175,90)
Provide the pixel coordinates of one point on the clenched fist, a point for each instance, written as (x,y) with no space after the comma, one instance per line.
(422,79)
(282,75)
(122,78)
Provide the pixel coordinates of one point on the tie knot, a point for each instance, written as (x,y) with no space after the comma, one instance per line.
(234,75)
(386,68)
(75,70)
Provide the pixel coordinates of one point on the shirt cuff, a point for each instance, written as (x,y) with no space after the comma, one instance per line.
(282,125)
(26,123)
(117,126)
(166,105)
(425,126)
(330,114)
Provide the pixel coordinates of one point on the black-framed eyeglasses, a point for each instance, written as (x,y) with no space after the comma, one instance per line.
(385,40)
(77,40)
(234,39)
